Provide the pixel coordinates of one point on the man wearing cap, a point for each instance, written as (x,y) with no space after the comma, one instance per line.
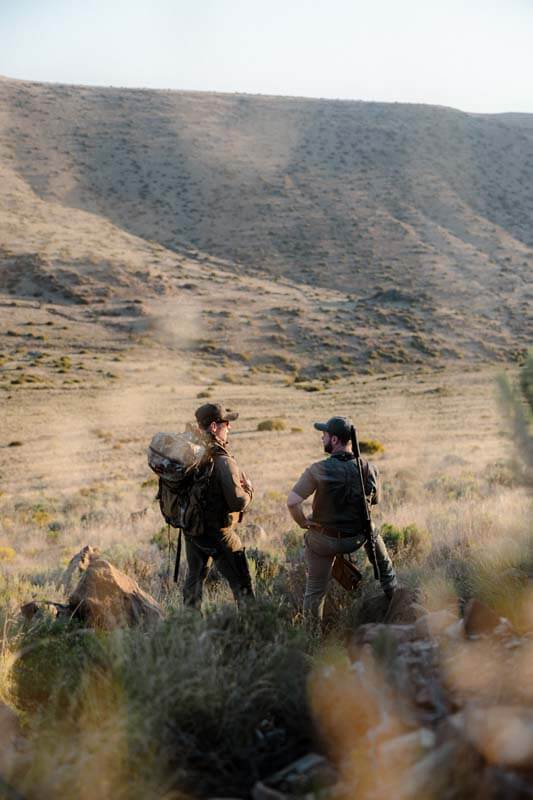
(337,519)
(229,494)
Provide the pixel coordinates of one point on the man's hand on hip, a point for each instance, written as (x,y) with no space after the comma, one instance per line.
(295,506)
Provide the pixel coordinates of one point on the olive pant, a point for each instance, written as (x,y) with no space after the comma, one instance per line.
(320,551)
(225,548)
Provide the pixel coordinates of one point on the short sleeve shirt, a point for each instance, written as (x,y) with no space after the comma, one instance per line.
(335,485)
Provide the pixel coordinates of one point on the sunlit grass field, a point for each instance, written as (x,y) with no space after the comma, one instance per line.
(180,709)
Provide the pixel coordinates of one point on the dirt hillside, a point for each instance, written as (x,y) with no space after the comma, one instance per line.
(414,224)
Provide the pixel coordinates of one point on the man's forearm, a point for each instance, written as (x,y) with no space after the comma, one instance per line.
(297,513)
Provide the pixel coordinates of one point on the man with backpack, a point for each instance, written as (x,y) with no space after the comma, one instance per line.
(228,494)
(344,487)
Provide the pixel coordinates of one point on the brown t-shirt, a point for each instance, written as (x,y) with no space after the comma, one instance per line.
(337,500)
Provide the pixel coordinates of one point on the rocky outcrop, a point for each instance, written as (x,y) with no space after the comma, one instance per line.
(503,734)
(106,598)
(44,609)
(103,596)
(403,608)
(76,565)
(430,704)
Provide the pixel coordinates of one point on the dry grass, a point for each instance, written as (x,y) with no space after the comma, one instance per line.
(155,696)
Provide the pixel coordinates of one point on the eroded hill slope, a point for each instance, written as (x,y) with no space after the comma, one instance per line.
(418,219)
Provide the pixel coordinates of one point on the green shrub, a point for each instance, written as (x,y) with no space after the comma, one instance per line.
(64,364)
(500,473)
(53,658)
(293,543)
(410,543)
(371,446)
(41,514)
(7,553)
(454,487)
(517,405)
(271,425)
(309,387)
(162,542)
(267,567)
(190,692)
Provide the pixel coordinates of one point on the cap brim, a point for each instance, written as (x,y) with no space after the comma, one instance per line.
(230,416)
(321,426)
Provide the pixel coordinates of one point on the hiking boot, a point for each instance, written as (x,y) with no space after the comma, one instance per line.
(243,571)
(389,591)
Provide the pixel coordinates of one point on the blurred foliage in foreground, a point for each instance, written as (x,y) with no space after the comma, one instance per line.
(517,404)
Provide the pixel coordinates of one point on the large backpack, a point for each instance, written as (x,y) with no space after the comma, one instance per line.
(184,469)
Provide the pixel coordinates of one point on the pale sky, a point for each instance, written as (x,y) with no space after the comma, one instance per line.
(475,55)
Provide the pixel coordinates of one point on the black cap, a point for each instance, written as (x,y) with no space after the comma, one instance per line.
(336,426)
(214,412)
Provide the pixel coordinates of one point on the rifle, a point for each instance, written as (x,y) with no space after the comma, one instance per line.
(368,525)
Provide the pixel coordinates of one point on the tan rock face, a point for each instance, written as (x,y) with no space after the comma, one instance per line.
(367,634)
(77,564)
(502,734)
(106,598)
(404,608)
(436,624)
(480,620)
(43,609)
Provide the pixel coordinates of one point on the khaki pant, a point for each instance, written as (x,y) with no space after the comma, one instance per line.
(320,551)
(225,548)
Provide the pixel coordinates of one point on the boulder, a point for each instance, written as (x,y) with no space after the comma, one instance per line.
(373,609)
(369,633)
(77,564)
(106,598)
(404,608)
(479,619)
(503,734)
(455,631)
(429,776)
(434,624)
(395,753)
(44,609)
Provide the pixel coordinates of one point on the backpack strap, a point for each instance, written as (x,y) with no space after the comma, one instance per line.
(178,557)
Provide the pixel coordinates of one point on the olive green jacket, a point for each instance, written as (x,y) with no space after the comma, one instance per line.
(227,500)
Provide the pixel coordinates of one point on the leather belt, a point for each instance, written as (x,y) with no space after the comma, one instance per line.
(334,532)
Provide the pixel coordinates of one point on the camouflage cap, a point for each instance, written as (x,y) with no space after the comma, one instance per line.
(214,412)
(336,426)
